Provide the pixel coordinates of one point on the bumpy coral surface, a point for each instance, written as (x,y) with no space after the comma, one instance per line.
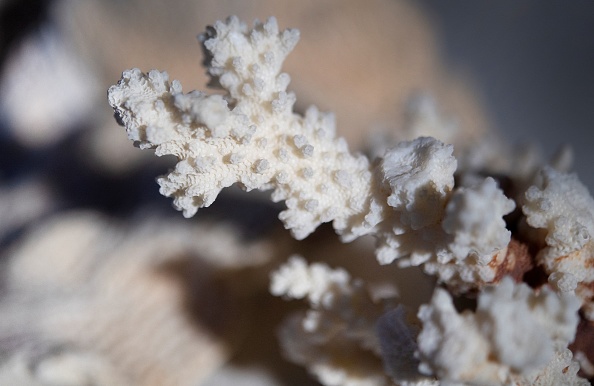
(252,137)
(423,207)
(562,206)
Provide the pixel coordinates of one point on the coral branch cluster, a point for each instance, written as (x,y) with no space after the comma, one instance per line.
(251,138)
(423,207)
(509,339)
(336,337)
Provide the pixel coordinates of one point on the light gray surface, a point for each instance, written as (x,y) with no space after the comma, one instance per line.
(533,63)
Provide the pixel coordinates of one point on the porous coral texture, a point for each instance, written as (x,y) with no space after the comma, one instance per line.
(516,336)
(251,137)
(408,199)
(478,237)
(457,234)
(561,205)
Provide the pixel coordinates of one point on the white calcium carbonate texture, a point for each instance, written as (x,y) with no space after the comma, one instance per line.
(251,138)
(409,199)
(562,205)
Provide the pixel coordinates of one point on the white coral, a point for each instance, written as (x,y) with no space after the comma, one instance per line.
(417,178)
(514,333)
(450,345)
(251,137)
(298,280)
(336,338)
(420,175)
(561,370)
(562,205)
(478,236)
(476,230)
(457,234)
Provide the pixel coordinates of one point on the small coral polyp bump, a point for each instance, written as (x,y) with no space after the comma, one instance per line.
(408,200)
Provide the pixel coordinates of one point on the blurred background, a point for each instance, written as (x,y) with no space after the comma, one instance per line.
(531,62)
(79,206)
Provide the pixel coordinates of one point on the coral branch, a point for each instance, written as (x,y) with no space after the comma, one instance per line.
(514,337)
(424,207)
(250,137)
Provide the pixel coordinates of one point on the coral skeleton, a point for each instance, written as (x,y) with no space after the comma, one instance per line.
(561,205)
(425,209)
(511,338)
(337,345)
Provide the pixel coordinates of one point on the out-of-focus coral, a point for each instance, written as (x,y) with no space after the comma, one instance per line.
(46,90)
(514,337)
(154,301)
(58,366)
(335,339)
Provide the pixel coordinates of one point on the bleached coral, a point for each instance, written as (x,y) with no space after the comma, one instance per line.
(514,334)
(479,237)
(475,230)
(335,339)
(457,234)
(409,199)
(251,138)
(561,205)
(418,175)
